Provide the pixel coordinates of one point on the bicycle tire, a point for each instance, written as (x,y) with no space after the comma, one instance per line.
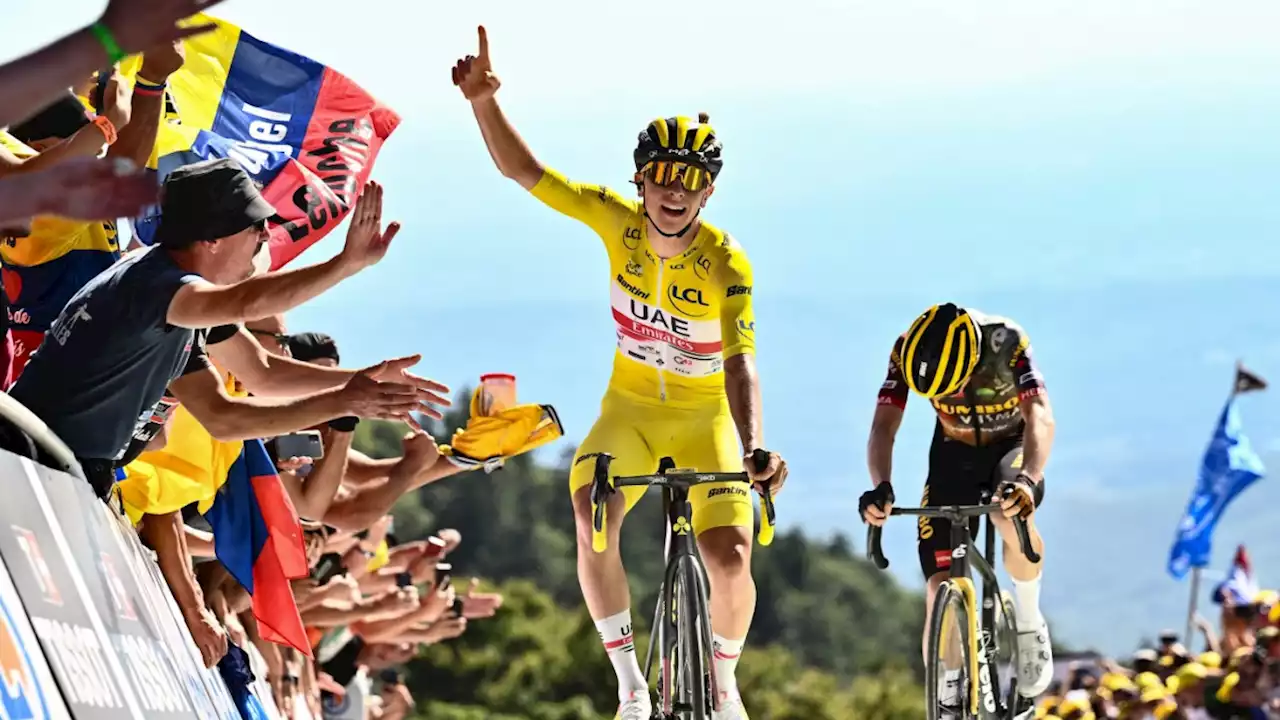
(694,648)
(948,599)
(1006,634)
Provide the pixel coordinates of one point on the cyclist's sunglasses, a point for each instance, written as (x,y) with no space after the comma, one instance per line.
(665,172)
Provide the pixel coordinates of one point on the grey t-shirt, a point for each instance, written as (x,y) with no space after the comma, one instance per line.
(107,359)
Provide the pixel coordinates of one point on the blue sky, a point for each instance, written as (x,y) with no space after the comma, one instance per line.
(1104,172)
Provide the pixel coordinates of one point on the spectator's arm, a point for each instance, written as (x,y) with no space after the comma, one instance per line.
(230,419)
(202,305)
(266,374)
(30,83)
(86,142)
(418,467)
(313,495)
(1210,637)
(199,543)
(165,535)
(363,470)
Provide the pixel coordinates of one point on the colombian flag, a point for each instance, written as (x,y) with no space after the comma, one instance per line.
(257,537)
(306,133)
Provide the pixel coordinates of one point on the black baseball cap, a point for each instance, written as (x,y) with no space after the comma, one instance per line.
(208,200)
(309,346)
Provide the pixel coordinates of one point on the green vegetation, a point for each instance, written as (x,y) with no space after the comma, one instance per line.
(832,636)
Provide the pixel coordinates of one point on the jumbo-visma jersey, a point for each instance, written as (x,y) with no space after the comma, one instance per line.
(677,320)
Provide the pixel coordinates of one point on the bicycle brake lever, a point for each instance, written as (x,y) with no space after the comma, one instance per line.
(1024,534)
(760,458)
(600,492)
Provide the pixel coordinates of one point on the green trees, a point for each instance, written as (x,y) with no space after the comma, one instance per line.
(832,637)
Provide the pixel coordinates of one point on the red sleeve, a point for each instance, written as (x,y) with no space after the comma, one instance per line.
(894,391)
(1029,380)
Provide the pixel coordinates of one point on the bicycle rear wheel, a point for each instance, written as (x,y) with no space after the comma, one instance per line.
(693,643)
(1006,638)
(947,676)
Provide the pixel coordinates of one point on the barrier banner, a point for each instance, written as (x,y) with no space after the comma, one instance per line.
(113,637)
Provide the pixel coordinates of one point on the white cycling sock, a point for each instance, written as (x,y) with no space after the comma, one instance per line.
(1026,603)
(950,692)
(615,633)
(725,663)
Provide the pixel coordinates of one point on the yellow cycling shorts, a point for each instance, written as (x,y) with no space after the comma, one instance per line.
(637,434)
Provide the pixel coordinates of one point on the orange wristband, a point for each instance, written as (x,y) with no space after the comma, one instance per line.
(108,130)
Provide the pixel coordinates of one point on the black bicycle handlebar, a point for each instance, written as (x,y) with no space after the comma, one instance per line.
(954,513)
(602,487)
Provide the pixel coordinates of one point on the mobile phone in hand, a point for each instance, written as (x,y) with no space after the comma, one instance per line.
(300,444)
(404,579)
(456,607)
(390,676)
(442,575)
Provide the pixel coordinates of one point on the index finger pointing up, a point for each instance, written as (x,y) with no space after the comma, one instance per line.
(484,43)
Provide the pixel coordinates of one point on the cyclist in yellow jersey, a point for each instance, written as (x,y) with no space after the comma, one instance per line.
(684,381)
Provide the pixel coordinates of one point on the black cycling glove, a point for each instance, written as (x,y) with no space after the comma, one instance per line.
(1024,490)
(879,496)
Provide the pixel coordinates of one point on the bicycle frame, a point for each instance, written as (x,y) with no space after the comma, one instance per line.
(680,546)
(984,694)
(982,651)
(679,543)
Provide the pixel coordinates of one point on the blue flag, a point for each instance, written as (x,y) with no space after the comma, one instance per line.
(1230,465)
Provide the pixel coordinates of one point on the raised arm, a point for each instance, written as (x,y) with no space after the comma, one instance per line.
(474,76)
(202,305)
(35,80)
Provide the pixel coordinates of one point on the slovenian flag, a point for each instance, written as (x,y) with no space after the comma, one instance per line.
(257,537)
(306,133)
(1239,584)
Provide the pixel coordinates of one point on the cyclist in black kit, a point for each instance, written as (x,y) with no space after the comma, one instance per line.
(994,430)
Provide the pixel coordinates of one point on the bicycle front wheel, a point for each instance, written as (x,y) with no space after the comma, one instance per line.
(947,674)
(693,644)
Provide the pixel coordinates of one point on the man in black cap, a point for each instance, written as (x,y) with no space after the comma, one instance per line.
(144,322)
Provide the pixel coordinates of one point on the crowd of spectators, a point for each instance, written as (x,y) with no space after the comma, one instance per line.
(187,336)
(1233,675)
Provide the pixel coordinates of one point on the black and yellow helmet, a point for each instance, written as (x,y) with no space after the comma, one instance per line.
(680,139)
(940,351)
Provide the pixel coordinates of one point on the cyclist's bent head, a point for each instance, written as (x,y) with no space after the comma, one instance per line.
(677,161)
(940,351)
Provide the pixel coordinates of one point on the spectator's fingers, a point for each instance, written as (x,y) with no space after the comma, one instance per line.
(431,398)
(390,233)
(428,384)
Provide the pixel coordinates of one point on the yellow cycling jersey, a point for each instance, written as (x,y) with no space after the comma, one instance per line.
(677,319)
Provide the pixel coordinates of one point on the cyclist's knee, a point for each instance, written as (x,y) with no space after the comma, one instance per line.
(726,552)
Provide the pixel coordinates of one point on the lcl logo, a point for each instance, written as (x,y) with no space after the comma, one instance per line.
(687,300)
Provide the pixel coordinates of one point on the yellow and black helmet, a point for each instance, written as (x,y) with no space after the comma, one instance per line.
(940,351)
(680,139)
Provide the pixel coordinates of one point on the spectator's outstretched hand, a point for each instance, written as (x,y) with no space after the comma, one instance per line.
(420,451)
(367,243)
(117,101)
(433,394)
(445,629)
(142,24)
(366,397)
(480,605)
(474,74)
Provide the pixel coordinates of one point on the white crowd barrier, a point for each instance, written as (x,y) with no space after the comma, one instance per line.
(88,627)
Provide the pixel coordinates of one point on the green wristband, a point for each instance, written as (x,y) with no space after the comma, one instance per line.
(114,51)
